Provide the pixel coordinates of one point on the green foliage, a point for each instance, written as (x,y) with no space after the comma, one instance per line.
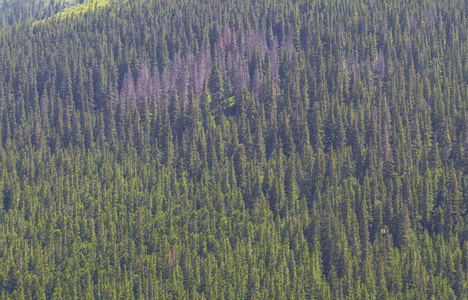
(234,150)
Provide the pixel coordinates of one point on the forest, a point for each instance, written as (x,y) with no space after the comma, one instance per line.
(215,149)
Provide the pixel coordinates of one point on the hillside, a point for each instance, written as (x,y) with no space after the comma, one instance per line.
(17,11)
(271,149)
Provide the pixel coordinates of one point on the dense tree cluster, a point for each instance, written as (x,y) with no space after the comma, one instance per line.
(212,149)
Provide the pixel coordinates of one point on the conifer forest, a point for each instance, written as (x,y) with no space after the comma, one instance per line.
(234,149)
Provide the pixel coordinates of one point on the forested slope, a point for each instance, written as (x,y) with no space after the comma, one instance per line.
(210,149)
(15,11)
